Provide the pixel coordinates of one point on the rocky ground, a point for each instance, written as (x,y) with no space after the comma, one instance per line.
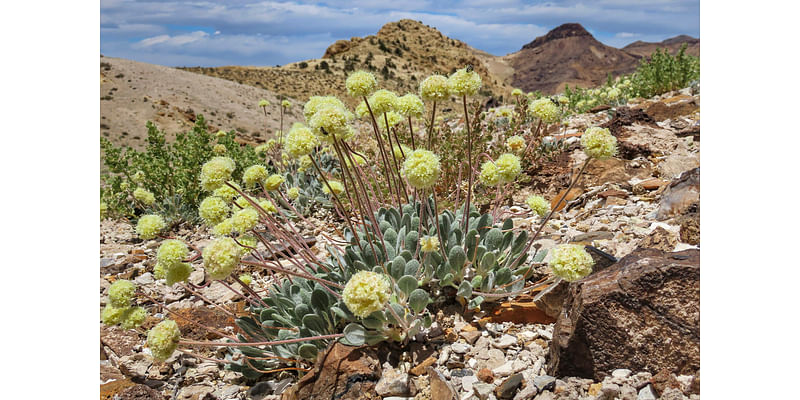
(628,331)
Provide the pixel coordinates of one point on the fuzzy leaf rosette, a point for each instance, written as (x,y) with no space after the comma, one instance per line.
(434,88)
(464,83)
(366,292)
(599,143)
(421,168)
(360,84)
(571,262)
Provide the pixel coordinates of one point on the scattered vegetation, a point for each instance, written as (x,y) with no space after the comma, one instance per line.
(400,254)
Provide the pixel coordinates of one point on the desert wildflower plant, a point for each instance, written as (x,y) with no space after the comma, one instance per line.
(398,254)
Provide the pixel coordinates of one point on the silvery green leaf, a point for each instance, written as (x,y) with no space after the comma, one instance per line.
(464,290)
(354,334)
(398,267)
(457,257)
(407,284)
(412,266)
(307,351)
(411,241)
(372,323)
(475,302)
(418,300)
(494,239)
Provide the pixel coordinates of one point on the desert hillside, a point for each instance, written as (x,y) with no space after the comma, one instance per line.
(644,49)
(132,93)
(401,54)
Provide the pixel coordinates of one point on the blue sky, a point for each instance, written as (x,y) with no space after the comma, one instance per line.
(239,32)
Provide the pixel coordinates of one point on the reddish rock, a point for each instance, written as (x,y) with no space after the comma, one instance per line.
(139,392)
(642,313)
(660,239)
(664,379)
(441,389)
(342,372)
(615,201)
(113,389)
(423,366)
(681,195)
(572,195)
(690,225)
(518,312)
(120,341)
(485,375)
(653,184)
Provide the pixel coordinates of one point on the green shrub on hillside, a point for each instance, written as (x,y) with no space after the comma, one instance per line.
(663,73)
(164,178)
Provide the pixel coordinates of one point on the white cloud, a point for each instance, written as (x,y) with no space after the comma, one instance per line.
(277,32)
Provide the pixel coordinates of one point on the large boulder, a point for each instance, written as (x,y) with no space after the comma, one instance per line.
(341,372)
(682,195)
(642,313)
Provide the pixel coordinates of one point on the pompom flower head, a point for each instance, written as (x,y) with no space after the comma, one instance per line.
(383,101)
(599,143)
(120,293)
(336,186)
(144,195)
(464,83)
(254,175)
(392,117)
(219,149)
(361,110)
(149,226)
(410,105)
(112,315)
(330,122)
(216,172)
(172,251)
(103,209)
(300,141)
(360,84)
(571,262)
(223,228)
(244,220)
(133,317)
(401,151)
(263,103)
(515,144)
(538,205)
(226,192)
(366,292)
(221,257)
(138,177)
(421,168)
(508,167)
(274,182)
(434,88)
(286,104)
(293,193)
(213,210)
(220,133)
(516,92)
(163,339)
(490,174)
(246,279)
(429,244)
(544,109)
(316,102)
(267,206)
(178,272)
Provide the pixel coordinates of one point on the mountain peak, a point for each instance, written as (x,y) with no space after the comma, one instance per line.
(560,32)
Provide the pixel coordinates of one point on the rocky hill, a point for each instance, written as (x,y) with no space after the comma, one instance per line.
(401,54)
(132,93)
(567,55)
(644,49)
